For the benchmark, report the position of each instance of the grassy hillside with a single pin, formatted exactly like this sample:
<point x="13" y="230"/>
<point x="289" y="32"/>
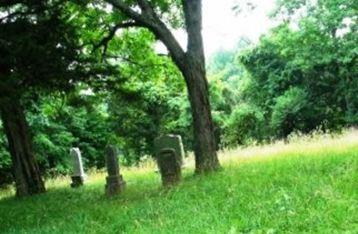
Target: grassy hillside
<point x="307" y="186"/>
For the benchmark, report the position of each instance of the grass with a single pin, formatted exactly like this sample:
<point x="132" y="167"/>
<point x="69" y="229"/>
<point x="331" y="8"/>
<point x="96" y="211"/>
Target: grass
<point x="310" y="186"/>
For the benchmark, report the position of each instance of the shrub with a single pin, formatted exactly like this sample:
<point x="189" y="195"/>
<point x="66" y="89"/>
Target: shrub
<point x="288" y="112"/>
<point x="243" y="125"/>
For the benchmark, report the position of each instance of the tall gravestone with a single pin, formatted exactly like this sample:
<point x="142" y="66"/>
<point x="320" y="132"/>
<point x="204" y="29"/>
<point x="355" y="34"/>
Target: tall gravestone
<point x="114" y="181"/>
<point x="78" y="175"/>
<point x="169" y="152"/>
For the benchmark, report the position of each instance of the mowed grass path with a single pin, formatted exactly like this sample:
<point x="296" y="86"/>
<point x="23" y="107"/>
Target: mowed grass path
<point x="310" y="186"/>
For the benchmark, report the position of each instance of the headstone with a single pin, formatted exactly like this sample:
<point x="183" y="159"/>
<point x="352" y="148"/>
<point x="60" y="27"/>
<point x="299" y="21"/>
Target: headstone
<point x="78" y="174"/>
<point x="170" y="141"/>
<point x="115" y="183"/>
<point x="169" y="152"/>
<point x="169" y="167"/>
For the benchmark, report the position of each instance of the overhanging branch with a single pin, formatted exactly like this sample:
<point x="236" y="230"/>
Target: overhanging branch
<point x="127" y="10"/>
<point x="149" y="19"/>
<point x="112" y="32"/>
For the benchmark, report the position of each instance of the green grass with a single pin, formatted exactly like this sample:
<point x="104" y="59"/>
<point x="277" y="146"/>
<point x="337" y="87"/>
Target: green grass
<point x="308" y="186"/>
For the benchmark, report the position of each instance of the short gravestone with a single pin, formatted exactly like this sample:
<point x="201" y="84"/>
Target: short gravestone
<point x="169" y="167"/>
<point x="115" y="182"/>
<point x="169" y="152"/>
<point x="78" y="174"/>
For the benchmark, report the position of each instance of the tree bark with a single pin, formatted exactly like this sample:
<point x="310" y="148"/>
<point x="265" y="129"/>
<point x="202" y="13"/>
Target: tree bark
<point x="28" y="180"/>
<point x="198" y="89"/>
<point x="205" y="150"/>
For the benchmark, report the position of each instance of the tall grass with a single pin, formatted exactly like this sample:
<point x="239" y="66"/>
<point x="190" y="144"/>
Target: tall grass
<point x="307" y="186"/>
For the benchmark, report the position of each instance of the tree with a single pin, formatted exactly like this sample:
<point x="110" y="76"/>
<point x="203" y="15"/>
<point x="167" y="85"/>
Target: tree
<point x="305" y="68"/>
<point x="191" y="63"/>
<point x="328" y="26"/>
<point x="15" y="64"/>
<point x="39" y="51"/>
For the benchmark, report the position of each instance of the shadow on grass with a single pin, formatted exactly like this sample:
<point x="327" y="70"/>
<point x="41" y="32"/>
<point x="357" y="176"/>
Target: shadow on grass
<point x="64" y="204"/>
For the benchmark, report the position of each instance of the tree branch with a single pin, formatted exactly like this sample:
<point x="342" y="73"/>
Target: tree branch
<point x="119" y="4"/>
<point x="146" y="8"/>
<point x="151" y="21"/>
<point x="112" y="32"/>
<point x="133" y="62"/>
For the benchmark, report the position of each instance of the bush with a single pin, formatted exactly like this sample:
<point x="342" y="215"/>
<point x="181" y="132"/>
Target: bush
<point x="288" y="112"/>
<point x="244" y="125"/>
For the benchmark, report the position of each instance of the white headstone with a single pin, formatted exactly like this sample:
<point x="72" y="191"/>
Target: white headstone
<point x="77" y="163"/>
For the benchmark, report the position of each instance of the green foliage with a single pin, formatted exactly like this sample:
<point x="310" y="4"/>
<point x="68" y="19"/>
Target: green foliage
<point x="223" y="63"/>
<point x="304" y="188"/>
<point x="314" y="53"/>
<point x="151" y="103"/>
<point x="59" y="123"/>
<point x="288" y="112"/>
<point x="244" y="125"/>
<point x="5" y="160"/>
<point x="33" y="33"/>
<point x="226" y="79"/>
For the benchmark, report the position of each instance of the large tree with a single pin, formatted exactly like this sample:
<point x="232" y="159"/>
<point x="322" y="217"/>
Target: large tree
<point x="153" y="15"/>
<point x="39" y="52"/>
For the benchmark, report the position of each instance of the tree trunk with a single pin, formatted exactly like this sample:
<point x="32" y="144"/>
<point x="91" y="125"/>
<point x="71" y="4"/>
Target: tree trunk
<point x="205" y="148"/>
<point x="27" y="176"/>
<point x="194" y="73"/>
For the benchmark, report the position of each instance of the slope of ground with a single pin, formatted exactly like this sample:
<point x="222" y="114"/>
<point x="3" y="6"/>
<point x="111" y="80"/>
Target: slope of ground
<point x="307" y="186"/>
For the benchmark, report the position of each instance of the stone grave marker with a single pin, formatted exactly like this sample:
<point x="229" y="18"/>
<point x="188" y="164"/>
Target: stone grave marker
<point x="169" y="152"/>
<point x="170" y="141"/>
<point x="115" y="183"/>
<point x="169" y="167"/>
<point x="78" y="175"/>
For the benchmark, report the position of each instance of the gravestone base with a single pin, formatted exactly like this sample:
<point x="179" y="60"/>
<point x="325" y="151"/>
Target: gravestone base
<point x="170" y="180"/>
<point x="77" y="181"/>
<point x="169" y="167"/>
<point x="114" y="185"/>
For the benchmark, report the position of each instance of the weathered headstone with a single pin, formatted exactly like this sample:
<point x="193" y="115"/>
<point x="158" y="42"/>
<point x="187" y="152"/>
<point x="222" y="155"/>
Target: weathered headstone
<point x="170" y="141"/>
<point x="169" y="167"/>
<point x="169" y="153"/>
<point x="115" y="182"/>
<point x="78" y="175"/>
